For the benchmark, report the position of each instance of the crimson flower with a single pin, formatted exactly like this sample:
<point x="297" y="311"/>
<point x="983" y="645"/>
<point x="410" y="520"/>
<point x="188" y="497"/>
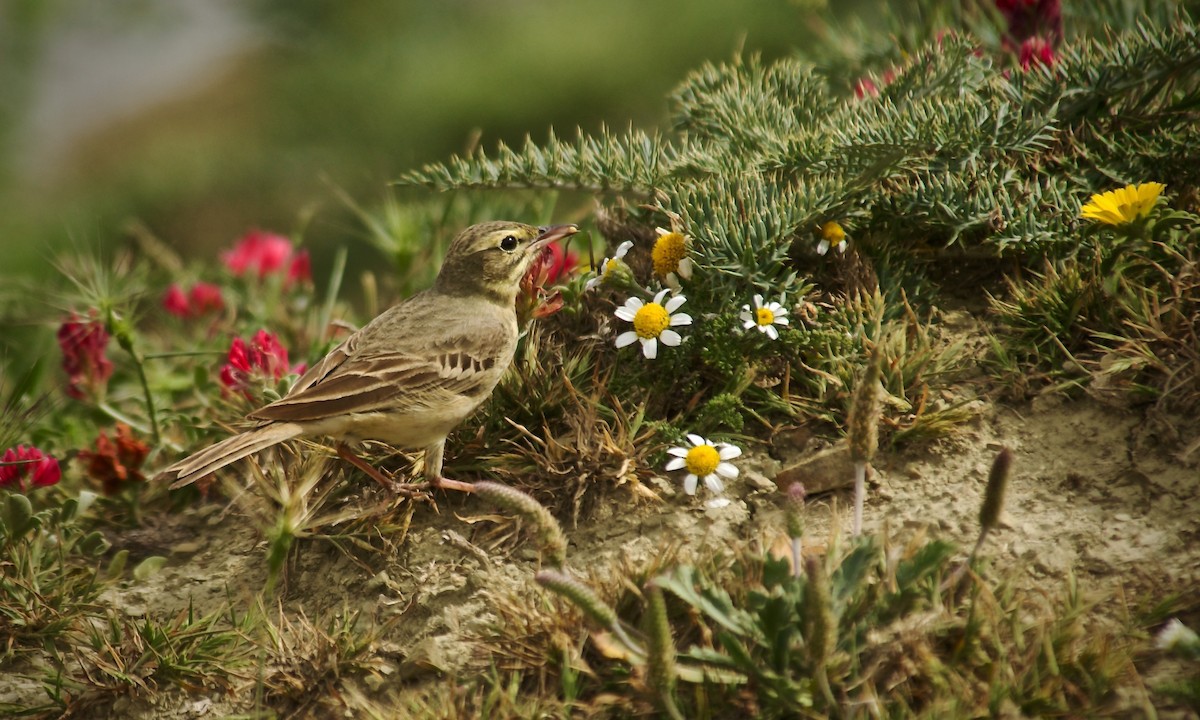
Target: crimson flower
<point x="554" y="264"/>
<point x="202" y="299"/>
<point x="265" y="254"/>
<point x="22" y="462"/>
<point x="263" y="357"/>
<point x="1027" y="18"/>
<point x="83" y="343"/>
<point x="176" y="302"/>
<point x="1036" y="51"/>
<point x="117" y="461"/>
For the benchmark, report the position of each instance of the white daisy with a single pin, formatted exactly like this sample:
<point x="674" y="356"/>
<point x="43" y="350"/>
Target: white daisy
<point x="669" y="257"/>
<point x="764" y="317"/>
<point x="609" y="265"/>
<point x="831" y="232"/>
<point x="652" y="322"/>
<point x="704" y="460"/>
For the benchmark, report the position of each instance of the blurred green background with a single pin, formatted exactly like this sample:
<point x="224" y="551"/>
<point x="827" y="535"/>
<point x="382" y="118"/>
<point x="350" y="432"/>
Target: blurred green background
<point x="201" y="120"/>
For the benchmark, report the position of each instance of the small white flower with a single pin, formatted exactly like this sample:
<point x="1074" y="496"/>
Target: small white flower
<point x="764" y="317"/>
<point x="704" y="460"/>
<point x="669" y="258"/>
<point x="1179" y="638"/>
<point x="831" y="232"/>
<point x="608" y="265"/>
<point x="652" y="322"/>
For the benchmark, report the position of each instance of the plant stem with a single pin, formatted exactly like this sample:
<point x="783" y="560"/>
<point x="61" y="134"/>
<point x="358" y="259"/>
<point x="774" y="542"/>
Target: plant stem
<point x="141" y="371"/>
<point x="860" y="492"/>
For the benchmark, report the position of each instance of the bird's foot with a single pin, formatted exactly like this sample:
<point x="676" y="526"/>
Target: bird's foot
<point x="448" y="484"/>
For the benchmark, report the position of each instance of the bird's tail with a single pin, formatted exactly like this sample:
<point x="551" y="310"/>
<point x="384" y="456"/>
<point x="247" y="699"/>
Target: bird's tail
<point x="211" y="459"/>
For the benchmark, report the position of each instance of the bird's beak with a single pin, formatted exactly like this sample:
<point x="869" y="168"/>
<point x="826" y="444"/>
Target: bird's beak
<point x="552" y="233"/>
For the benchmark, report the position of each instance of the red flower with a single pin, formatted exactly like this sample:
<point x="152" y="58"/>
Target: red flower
<point x="21" y="462"/>
<point x="1027" y="18"/>
<point x="264" y="357"/>
<point x="202" y="299"/>
<point x="205" y="298"/>
<point x="864" y="87"/>
<point x="1036" y="51"/>
<point x="175" y="302"/>
<point x="113" y="464"/>
<point x="83" y="343"/>
<point x="265" y="254"/>
<point x="300" y="268"/>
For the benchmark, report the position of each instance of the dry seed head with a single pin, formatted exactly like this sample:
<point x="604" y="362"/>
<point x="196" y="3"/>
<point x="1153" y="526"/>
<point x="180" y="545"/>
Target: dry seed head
<point x="865" y="408"/>
<point x="517" y="502"/>
<point x="993" y="496"/>
<point x="818" y="607"/>
<point x="581" y="595"/>
<point x="660" y="646"/>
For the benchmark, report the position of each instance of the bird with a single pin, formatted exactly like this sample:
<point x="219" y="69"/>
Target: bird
<point x="412" y="374"/>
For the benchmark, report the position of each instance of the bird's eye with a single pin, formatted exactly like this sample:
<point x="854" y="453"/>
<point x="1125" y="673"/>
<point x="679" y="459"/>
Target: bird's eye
<point x="508" y="244"/>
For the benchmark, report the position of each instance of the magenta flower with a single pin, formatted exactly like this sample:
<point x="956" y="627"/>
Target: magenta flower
<point x="205" y="298"/>
<point x="22" y="462"/>
<point x="299" y="269"/>
<point x="264" y="357"/>
<point x="1027" y="18"/>
<point x="264" y="254"/>
<point x="1036" y="51"/>
<point x="83" y="343"/>
<point x="176" y="302"/>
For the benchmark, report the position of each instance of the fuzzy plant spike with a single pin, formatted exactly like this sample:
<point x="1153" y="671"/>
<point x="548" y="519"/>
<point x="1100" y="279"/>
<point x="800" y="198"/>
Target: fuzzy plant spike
<point x="661" y="672"/>
<point x="794" y="512"/>
<point x="584" y="598"/>
<point x="989" y="512"/>
<point x="863" y="427"/>
<point x="549" y="531"/>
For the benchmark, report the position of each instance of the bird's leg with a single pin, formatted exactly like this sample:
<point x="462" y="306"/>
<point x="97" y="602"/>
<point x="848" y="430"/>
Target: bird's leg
<point x="345" y="453"/>
<point x="433" y="469"/>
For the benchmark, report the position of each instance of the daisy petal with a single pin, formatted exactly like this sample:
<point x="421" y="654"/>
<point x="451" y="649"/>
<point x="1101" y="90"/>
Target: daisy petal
<point x="625" y="313"/>
<point x="689" y="484"/>
<point x="822" y="247"/>
<point x="676" y="463"/>
<point x="728" y="470"/>
<point x="659" y="297"/>
<point x="714" y="483"/>
<point x="758" y="301"/>
<point x="747" y="323"/>
<point x="674" y="303"/>
<point x="782" y="320"/>
<point x="696" y="440"/>
<point x="771" y="332"/>
<point x="650" y="348"/>
<point x="626" y="338"/>
<point x="685" y="268"/>
<point x="678" y="451"/>
<point x="622" y="249"/>
<point x="681" y="319"/>
<point x="670" y="338"/>
<point x="728" y="452"/>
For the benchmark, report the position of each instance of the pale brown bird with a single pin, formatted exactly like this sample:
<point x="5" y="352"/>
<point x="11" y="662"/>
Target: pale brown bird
<point x="412" y="374"/>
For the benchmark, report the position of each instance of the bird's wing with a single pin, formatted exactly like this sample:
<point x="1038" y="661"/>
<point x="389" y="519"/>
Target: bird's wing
<point x="373" y="382"/>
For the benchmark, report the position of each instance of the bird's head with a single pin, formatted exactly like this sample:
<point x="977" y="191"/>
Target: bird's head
<point x="489" y="259"/>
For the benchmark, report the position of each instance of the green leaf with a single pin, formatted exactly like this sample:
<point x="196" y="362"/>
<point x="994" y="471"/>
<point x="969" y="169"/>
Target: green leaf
<point x="148" y="567"/>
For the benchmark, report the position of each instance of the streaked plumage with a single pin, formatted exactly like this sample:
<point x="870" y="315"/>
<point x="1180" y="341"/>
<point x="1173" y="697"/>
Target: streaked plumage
<point x="415" y="372"/>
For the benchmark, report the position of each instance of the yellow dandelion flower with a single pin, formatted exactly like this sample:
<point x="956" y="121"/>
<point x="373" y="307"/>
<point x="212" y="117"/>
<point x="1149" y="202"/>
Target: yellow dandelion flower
<point x="1124" y="205"/>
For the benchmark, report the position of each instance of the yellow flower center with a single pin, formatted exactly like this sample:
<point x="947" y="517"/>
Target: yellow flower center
<point x="668" y="250"/>
<point x="764" y="316"/>
<point x="833" y="232"/>
<point x="702" y="460"/>
<point x="650" y="320"/>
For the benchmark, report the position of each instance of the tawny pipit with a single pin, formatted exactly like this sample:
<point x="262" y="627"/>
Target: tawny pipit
<point x="412" y="374"/>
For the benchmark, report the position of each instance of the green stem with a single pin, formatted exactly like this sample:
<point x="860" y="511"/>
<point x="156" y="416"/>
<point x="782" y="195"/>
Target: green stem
<point x="139" y="363"/>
